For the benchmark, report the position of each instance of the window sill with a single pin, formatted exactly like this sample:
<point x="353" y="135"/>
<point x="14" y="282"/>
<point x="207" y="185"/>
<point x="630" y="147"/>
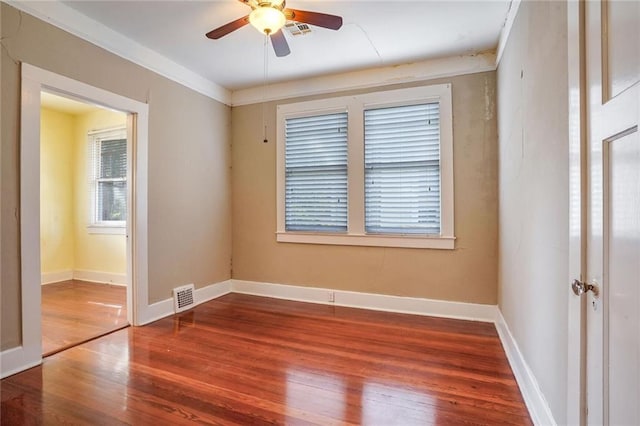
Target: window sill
<point x="434" y="242"/>
<point x="107" y="229"/>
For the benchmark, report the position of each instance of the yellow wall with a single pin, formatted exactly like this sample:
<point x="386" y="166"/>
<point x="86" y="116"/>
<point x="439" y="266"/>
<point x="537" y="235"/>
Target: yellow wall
<point x="66" y="242"/>
<point x="94" y="252"/>
<point x="56" y="191"/>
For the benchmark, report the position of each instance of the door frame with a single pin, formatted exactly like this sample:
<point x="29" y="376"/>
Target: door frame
<point x="34" y="80"/>
<point x="577" y="96"/>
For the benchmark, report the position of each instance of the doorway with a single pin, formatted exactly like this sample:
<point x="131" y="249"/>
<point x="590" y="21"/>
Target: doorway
<point x="33" y="81"/>
<point x="83" y="215"/>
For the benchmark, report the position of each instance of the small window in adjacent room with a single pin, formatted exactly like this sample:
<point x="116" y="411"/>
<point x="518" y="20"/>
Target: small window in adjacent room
<point x="108" y="180"/>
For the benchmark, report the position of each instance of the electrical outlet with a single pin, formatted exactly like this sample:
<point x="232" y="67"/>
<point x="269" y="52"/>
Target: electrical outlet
<point x="332" y="297"/>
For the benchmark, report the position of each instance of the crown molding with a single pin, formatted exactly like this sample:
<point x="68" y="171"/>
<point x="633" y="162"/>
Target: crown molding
<point x="72" y="21"/>
<point x="506" y="29"/>
<point x="375" y="77"/>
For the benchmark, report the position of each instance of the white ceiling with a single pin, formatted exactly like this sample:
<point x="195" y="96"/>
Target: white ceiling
<point x="374" y="34"/>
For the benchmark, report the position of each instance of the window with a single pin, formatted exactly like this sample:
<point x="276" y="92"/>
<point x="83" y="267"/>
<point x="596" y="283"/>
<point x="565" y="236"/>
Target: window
<point x="316" y="173"/>
<point x="373" y="170"/>
<point x="108" y="178"/>
<point x="402" y="169"/>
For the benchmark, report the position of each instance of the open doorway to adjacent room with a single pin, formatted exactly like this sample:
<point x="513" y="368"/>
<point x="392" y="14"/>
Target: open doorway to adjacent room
<point x="83" y="221"/>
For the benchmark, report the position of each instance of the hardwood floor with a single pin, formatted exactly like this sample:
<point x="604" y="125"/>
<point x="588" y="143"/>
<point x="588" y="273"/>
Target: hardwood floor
<point x="245" y="360"/>
<point x="75" y="311"/>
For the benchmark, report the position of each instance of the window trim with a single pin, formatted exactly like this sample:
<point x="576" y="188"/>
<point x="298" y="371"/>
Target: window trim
<point x="107" y="229"/>
<point x="95" y="136"/>
<point x="355" y="106"/>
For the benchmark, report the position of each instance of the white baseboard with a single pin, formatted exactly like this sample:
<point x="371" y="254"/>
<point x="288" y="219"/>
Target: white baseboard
<point x="56" y="277"/>
<point x="531" y="393"/>
<point x="100" y="277"/>
<point x="154" y="312"/>
<point x="212" y="291"/>
<point x="164" y="308"/>
<point x="282" y="291"/>
<point x="18" y="359"/>
<point x="378" y="302"/>
<point x="90" y="276"/>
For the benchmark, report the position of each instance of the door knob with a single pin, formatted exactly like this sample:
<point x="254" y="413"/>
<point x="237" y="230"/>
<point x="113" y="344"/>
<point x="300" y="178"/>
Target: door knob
<point x="579" y="288"/>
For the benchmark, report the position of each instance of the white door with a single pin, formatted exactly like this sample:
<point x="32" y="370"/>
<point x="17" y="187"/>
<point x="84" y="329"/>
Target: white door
<point x="612" y="47"/>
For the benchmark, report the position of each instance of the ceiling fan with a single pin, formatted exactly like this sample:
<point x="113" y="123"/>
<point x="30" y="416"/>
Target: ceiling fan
<point x="269" y="16"/>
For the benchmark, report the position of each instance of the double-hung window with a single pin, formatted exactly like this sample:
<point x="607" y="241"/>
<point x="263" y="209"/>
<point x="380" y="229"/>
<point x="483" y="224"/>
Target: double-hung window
<point x="373" y="169"/>
<point x="108" y="179"/>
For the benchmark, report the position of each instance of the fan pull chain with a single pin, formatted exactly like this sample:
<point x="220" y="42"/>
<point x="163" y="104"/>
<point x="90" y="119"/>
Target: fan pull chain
<point x="264" y="86"/>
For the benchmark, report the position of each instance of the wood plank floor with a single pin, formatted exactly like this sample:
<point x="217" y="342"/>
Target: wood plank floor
<point x="245" y="360"/>
<point x="75" y="311"/>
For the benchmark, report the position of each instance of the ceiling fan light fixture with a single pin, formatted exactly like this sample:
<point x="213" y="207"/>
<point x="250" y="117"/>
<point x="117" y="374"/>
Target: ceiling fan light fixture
<point x="267" y="19"/>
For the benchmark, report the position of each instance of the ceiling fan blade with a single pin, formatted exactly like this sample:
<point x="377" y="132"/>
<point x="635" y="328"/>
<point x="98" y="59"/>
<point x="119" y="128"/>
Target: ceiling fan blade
<point x="280" y="44"/>
<point x="228" y="28"/>
<point x="324" y="20"/>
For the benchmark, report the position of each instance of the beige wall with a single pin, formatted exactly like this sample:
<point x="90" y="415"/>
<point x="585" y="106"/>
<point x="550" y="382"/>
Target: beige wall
<point x="94" y="252"/>
<point x="189" y="223"/>
<point x="534" y="193"/>
<point x="468" y="273"/>
<point x="56" y="191"/>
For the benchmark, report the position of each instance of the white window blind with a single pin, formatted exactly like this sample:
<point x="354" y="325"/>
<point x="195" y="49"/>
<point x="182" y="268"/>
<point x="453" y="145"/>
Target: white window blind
<point x="109" y="177"/>
<point x="316" y="173"/>
<point x="402" y="169"/>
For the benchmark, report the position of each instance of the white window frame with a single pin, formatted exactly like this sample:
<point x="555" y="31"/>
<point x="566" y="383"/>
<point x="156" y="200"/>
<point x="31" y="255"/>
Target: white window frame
<point x="94" y="137"/>
<point x="355" y="106"/>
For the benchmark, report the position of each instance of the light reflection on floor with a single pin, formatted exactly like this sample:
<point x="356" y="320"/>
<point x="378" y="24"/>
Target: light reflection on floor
<point x="394" y="404"/>
<point x="307" y="388"/>
<point x="382" y="403"/>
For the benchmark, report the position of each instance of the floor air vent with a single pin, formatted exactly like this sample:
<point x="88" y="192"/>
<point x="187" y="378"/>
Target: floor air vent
<point x="183" y="298"/>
